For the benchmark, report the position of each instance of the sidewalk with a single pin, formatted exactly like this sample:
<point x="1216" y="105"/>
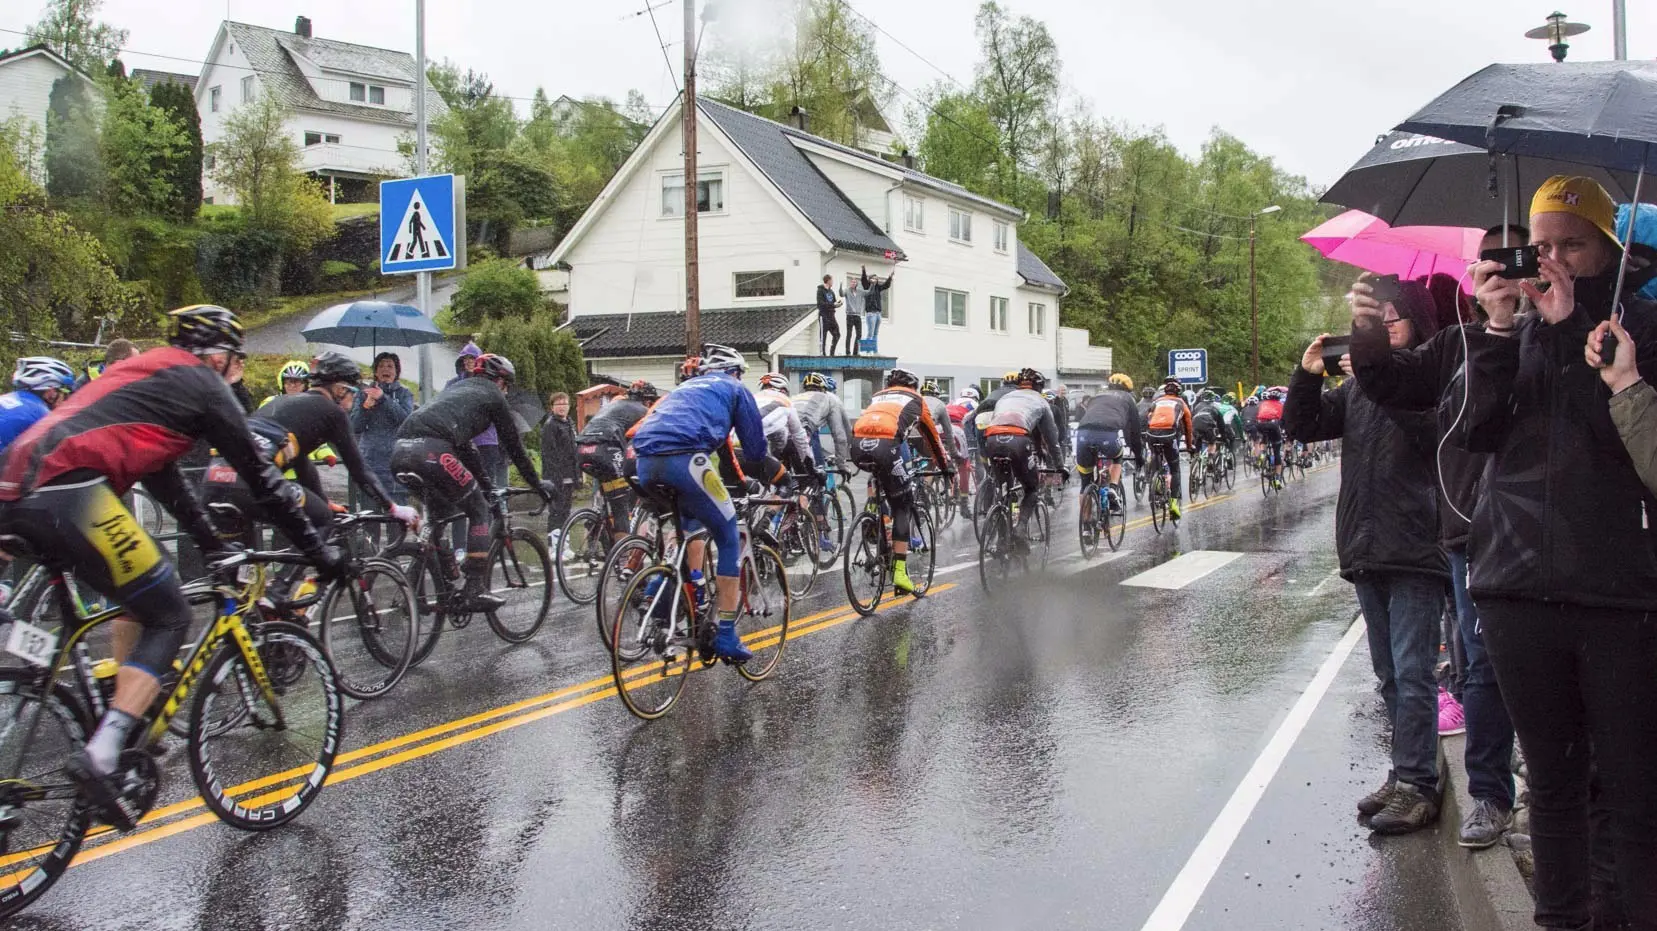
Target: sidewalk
<point x="1490" y="893"/>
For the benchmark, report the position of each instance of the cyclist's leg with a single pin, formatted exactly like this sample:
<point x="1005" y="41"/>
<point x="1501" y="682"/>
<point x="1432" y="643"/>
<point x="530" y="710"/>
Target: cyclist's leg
<point x="612" y="484"/>
<point x="703" y="498"/>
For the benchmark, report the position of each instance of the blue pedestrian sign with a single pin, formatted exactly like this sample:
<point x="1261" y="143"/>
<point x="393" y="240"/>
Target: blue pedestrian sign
<point x="1189" y="366"/>
<point x="417" y="224"/>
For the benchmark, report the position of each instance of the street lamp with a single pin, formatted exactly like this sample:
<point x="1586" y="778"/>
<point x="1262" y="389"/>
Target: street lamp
<point x="1254" y="297"/>
<point x="1555" y="32"/>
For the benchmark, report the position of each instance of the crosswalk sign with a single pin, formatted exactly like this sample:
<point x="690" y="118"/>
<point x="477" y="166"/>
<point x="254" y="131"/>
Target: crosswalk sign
<point x="417" y="224"/>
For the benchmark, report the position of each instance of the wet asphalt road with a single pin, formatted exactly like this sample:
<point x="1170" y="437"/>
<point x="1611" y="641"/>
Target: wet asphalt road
<point x="1044" y="757"/>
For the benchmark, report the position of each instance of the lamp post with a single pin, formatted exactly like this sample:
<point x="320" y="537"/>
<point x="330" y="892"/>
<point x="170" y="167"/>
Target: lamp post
<point x="1254" y="296"/>
<point x="1555" y="31"/>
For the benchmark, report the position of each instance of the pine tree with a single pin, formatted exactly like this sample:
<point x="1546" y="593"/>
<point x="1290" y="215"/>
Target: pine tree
<point x="184" y="169"/>
<point x="74" y="168"/>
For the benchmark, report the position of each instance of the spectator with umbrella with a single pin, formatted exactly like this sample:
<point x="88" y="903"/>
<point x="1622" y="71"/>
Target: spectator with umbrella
<point x="379" y="410"/>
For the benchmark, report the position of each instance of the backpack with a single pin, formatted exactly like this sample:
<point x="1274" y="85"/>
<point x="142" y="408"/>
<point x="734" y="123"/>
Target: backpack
<point x="1270" y="410"/>
<point x="1165" y="414"/>
<point x="958" y="413"/>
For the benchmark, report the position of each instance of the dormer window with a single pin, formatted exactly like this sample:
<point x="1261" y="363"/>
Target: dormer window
<point x="367" y="93"/>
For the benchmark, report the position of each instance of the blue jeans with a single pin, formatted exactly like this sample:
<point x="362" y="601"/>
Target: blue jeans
<point x="871" y="326"/>
<point x="1401" y="613"/>
<point x="1489" y="732"/>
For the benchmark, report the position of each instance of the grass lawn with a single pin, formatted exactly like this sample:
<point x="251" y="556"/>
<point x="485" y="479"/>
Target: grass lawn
<point x="341" y="211"/>
<point x="289" y="305"/>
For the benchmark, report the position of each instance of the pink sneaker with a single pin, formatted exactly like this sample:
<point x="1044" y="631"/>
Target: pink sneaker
<point x="1451" y="719"/>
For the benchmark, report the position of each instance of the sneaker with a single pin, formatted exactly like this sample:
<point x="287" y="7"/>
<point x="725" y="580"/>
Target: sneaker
<point x="728" y="646"/>
<point x="1410" y="809"/>
<point x="900" y="579"/>
<point x="825" y="543"/>
<point x="103" y="790"/>
<point x="1485" y="825"/>
<point x="477" y="599"/>
<point x="1451" y="719"/>
<point x="1370" y="805"/>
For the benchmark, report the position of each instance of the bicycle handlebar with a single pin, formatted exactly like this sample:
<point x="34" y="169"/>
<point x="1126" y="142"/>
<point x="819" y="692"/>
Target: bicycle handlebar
<point x="501" y="494"/>
<point x="245" y="557"/>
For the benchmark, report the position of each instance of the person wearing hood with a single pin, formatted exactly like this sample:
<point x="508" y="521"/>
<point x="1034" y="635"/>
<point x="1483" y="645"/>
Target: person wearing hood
<point x="1562" y="553"/>
<point x="380" y="408"/>
<point x="1386" y="537"/>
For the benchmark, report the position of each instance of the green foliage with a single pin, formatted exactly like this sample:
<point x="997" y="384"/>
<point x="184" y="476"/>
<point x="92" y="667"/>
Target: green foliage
<point x="68" y="27"/>
<point x="547" y="359"/>
<point x="141" y="147"/>
<point x="74" y="160"/>
<point x="1017" y="79"/>
<point x="960" y="142"/>
<point x="182" y="170"/>
<point x="240" y="266"/>
<point x="496" y="289"/>
<point x="336" y="267"/>
<point x="257" y="159"/>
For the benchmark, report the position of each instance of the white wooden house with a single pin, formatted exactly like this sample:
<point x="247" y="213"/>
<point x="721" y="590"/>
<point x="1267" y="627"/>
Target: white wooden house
<point x="26" y="79"/>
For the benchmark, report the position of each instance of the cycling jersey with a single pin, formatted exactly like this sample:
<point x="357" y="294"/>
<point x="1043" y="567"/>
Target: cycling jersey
<point x="610" y="425"/>
<point x="315" y="422"/>
<point x="19" y="411"/>
<point x="698" y="417"/>
<point x="785" y="434"/>
<point x="1270" y="410"/>
<point x="1170" y="417"/>
<point x="893" y="413"/>
<point x="1026" y="413"/>
<point x="321" y="453"/>
<point x="819" y="409"/>
<point x="983" y="415"/>
<point x="461" y="412"/>
<point x="1110" y="413"/>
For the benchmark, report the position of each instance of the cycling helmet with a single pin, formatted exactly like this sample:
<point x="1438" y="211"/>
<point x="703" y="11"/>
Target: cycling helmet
<point x="1049" y="395"/>
<point x="833" y="384"/>
<point x="690" y="368"/>
<point x="292" y="371"/>
<point x="1032" y="379"/>
<point x="1170" y="386"/>
<point x="42" y="373"/>
<point x="1122" y="380"/>
<point x="774" y="381"/>
<point x="643" y="391"/>
<point x="333" y="368"/>
<point x="1277" y="394"/>
<point x="1011" y="378"/>
<point x="1229" y="398"/>
<point x="490" y="365"/>
<point x="717" y="358"/>
<point x="1250" y="401"/>
<point x="930" y="387"/>
<point x="815" y="381"/>
<point x="205" y="328"/>
<point x="972" y="392"/>
<point x="902" y="378"/>
<point x="1207" y="394"/>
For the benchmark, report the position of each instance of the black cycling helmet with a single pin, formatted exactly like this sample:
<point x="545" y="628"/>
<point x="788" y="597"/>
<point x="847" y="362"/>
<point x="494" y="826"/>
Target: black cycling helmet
<point x="1032" y="379"/>
<point x="1171" y="386"/>
<point x="641" y="390"/>
<point x="335" y="368"/>
<point x="490" y="365"/>
<point x="204" y="328"/>
<point x="902" y="378"/>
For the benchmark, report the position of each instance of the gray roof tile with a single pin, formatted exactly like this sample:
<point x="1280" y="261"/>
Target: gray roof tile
<point x="1033" y="270"/>
<point x="150" y="78"/>
<point x="270" y="52"/>
<point x="658" y="333"/>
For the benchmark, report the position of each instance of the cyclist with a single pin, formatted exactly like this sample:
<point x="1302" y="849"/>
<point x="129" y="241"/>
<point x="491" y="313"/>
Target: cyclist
<point x="1168" y="422"/>
<point x="881" y="431"/>
<point x="59" y="491"/>
<point x="984" y="414"/>
<point x="42" y="383"/>
<point x="294" y="378"/>
<point x="1109" y="428"/>
<point x="960" y="420"/>
<point x="289" y="429"/>
<point x="1232" y="419"/>
<point x="678" y="444"/>
<point x="819" y="407"/>
<point x="435" y="443"/>
<point x="1269" y="422"/>
<point x="785" y="433"/>
<point x="936" y="406"/>
<point x="602" y="448"/>
<point x="1208" y="421"/>
<point x="1023" y="429"/>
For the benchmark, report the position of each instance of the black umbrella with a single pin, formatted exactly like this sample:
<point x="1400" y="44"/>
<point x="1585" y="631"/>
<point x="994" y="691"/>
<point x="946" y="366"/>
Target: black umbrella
<point x="1413" y="180"/>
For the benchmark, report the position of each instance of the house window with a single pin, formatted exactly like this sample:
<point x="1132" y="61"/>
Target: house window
<point x="359" y="92"/>
<point x="998" y="314"/>
<point x="1000" y="236"/>
<point x="247" y="89"/>
<point x="960" y="225"/>
<point x="1038" y="319"/>
<point x="759" y="284"/>
<point x="914" y="214"/>
<point x="946" y="387"/>
<point x="319" y="138"/>
<point x="710" y="193"/>
<point x="949" y="308"/>
<point x="376" y="95"/>
<point x="213" y="100"/>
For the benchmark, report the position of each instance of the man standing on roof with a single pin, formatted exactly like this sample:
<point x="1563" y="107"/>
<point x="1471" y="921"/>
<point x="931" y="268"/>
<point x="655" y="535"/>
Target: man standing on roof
<point x="875" y="289"/>
<point x="828" y="328"/>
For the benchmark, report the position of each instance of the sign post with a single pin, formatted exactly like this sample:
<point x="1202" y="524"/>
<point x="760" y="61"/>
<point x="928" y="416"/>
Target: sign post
<point x="1188" y="366"/>
<point x="420" y="234"/>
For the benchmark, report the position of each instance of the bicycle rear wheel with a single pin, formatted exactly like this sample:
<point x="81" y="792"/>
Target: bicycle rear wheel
<point x="943" y="501"/>
<point x="1087" y="522"/>
<point x="800" y="553"/>
<point x="264" y="770"/>
<point x="832" y="523"/>
<point x="922" y="561"/>
<point x="1159" y="505"/>
<point x="763" y="612"/>
<point x="865" y="563"/>
<point x="582" y="547"/>
<point x="370" y="627"/>
<point x="651" y="649"/>
<point x="44" y="817"/>
<point x="995" y="548"/>
<point x="1116" y="521"/>
<point x="626" y="559"/>
<point x="521" y="572"/>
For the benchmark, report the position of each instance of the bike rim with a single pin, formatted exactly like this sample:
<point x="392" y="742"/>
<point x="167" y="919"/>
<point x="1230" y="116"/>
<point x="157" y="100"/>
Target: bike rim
<point x="521" y="573"/>
<point x="763" y="613"/>
<point x="864" y="567"/>
<point x="581" y="556"/>
<point x="370" y="624"/>
<point x="651" y="656"/>
<point x="37" y="733"/>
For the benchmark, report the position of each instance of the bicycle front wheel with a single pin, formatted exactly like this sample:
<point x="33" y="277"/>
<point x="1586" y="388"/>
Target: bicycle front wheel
<point x="582" y="547"/>
<point x="625" y="560"/>
<point x="44" y="821"/>
<point x="865" y="563"/>
<point x="651" y="649"/>
<point x="995" y="548"/>
<point x="1087" y="523"/>
<point x="520" y="571"/>
<point x="370" y="628"/>
<point x="265" y="768"/>
<point x="832" y="524"/>
<point x="763" y="613"/>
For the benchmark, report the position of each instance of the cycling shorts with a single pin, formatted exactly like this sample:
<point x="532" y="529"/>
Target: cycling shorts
<point x="1271" y="431"/>
<point x="695" y="481"/>
<point x="445" y="476"/>
<point x="1095" y="445"/>
<point x="886" y="460"/>
<point x="222" y="485"/>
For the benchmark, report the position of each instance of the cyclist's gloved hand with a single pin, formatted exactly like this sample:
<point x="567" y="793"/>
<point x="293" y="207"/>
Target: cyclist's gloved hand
<point x="329" y="561"/>
<point x="408" y="516"/>
<point x="222" y="551"/>
<point x="548" y="489"/>
<point x="752" y="487"/>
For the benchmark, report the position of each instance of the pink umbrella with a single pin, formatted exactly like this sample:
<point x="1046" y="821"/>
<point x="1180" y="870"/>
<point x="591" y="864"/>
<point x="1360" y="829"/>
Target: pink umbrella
<point x="1356" y="238"/>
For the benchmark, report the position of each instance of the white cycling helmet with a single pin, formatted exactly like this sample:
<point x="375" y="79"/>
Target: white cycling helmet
<point x="774" y="381"/>
<point x="717" y="358"/>
<point x="42" y="373"/>
<point x="972" y="393"/>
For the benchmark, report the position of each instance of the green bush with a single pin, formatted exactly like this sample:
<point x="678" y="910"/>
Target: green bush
<point x="496" y="288"/>
<point x="334" y="267"/>
<point x="547" y="359"/>
<point x="241" y="267"/>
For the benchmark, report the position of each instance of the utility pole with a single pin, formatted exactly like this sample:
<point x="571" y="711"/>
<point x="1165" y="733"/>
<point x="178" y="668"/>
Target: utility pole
<point x="422" y="280"/>
<point x="693" y="288"/>
<point x="1619" y="29"/>
<point x="1254" y="303"/>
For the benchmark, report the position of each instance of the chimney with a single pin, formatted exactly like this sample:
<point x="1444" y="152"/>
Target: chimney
<point x="801" y="119"/>
<point x="302" y="26"/>
<point x="908" y="160"/>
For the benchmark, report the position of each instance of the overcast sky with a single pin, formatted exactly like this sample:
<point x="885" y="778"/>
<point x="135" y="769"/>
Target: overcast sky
<point x="1308" y="82"/>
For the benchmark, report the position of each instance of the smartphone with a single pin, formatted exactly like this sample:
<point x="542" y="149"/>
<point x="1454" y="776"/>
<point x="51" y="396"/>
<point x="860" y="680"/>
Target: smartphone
<point x="1384" y="288"/>
<point x="1521" y="261"/>
<point x="1333" y="348"/>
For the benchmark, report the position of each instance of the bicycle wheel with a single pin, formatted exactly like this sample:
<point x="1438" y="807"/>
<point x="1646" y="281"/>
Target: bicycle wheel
<point x="833" y="525"/>
<point x="865" y="563"/>
<point x="1159" y="504"/>
<point x="266" y="770"/>
<point x="943" y="502"/>
<point x="651" y="654"/>
<point x="520" y="571"/>
<point x="431" y="590"/>
<point x="923" y="559"/>
<point x="1087" y="522"/>
<point x="580" y="556"/>
<point x="44" y="821"/>
<point x="1116" y="520"/>
<point x="625" y="560"/>
<point x="800" y="553"/>
<point x="981" y="505"/>
<point x="1041" y="534"/>
<point x="763" y="612"/>
<point x="370" y="626"/>
<point x="995" y="548"/>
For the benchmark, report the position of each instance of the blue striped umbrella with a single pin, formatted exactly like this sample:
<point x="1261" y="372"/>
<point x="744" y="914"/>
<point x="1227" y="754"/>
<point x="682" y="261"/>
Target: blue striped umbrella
<point x="372" y="323"/>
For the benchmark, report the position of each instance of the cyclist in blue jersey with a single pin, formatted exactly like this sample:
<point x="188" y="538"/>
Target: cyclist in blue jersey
<point x="41" y="382"/>
<point x="677" y="444"/>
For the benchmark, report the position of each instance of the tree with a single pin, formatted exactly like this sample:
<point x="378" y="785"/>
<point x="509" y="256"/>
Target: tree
<point x="959" y="142"/>
<point x="1017" y="79"/>
<point x="68" y="27"/>
<point x="183" y="168"/>
<point x="497" y="288"/>
<point x="141" y="146"/>
<point x="477" y="122"/>
<point x="74" y="160"/>
<point x="257" y="160"/>
<point x="547" y="359"/>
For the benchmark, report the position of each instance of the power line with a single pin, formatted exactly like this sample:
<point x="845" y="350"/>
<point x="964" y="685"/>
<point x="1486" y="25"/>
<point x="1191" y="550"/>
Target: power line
<point x="663" y="46"/>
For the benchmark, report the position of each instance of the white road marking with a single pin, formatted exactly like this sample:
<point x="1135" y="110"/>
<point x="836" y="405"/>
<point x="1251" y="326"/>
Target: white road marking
<point x="1188" y="887"/>
<point x="1182" y="570"/>
<point x="1318" y="588"/>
